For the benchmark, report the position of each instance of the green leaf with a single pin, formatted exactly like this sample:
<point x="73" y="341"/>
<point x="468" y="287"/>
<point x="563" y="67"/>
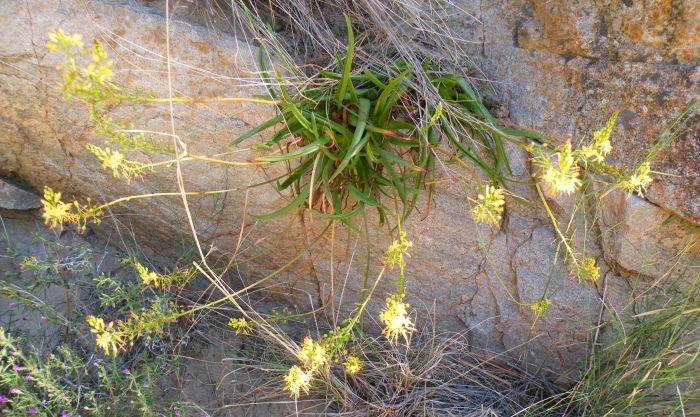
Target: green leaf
<point x="347" y="66"/>
<point x="297" y="153"/>
<point x="254" y="131"/>
<point x="297" y="173"/>
<point x="357" y="139"/>
<point x="479" y="107"/>
<point x="341" y="215"/>
<point x="383" y="105"/>
<point x="362" y="196"/>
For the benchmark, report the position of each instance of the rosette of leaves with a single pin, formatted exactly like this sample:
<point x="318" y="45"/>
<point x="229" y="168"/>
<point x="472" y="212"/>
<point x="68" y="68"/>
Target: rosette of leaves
<point x="367" y="133"/>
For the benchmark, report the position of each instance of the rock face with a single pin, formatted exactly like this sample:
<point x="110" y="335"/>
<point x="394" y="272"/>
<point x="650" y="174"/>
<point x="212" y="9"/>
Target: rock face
<point x="15" y="198"/>
<point x="560" y="67"/>
<point x="564" y="67"/>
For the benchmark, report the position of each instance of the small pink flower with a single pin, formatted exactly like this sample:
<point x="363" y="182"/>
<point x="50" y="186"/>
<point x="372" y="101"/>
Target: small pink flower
<point x="31" y="410"/>
<point x="27" y="377"/>
<point x="14" y="390"/>
<point x="177" y="412"/>
<point x="64" y="413"/>
<point x="125" y="371"/>
<point x="4" y="399"/>
<point x="16" y="367"/>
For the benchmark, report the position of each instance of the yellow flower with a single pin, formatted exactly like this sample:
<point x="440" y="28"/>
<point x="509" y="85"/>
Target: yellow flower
<point x="296" y="381"/>
<point x="312" y="354"/>
<point x="56" y="212"/>
<point x="107" y="337"/>
<point x="241" y="325"/>
<point x="601" y="146"/>
<point x="587" y="271"/>
<point x="396" y="252"/>
<point x="489" y="207"/>
<point x="353" y="365"/>
<point x="59" y="40"/>
<point x="148" y="277"/>
<point x="115" y="161"/>
<point x="562" y="178"/>
<point x="395" y="319"/>
<point x="540" y="307"/>
<point x="637" y="182"/>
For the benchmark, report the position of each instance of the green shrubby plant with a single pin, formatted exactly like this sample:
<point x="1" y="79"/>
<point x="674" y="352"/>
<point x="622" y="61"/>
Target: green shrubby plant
<point x="38" y="377"/>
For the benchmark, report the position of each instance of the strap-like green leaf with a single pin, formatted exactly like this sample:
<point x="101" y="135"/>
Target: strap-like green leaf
<point x="254" y="131"/>
<point x="357" y="139"/>
<point x="347" y="65"/>
<point x="297" y="153"/>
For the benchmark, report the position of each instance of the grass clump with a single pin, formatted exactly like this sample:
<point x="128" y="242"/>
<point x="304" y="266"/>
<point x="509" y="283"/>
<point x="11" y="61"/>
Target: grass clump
<point x="357" y="136"/>
<point x="652" y="367"/>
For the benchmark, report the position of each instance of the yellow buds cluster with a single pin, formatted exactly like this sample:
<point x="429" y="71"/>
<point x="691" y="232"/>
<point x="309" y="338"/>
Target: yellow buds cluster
<point x="587" y="270"/>
<point x="489" y="206"/>
<point x="396" y="252"/>
<point x="540" y="307"/>
<point x="107" y="335"/>
<point x="297" y="380"/>
<point x="241" y="326"/>
<point x="116" y="161"/>
<point x="562" y="177"/>
<point x="638" y="181"/>
<point x="395" y="318"/>
<point x="353" y="365"/>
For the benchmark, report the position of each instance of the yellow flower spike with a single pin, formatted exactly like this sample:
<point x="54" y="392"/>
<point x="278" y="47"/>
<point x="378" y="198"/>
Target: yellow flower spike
<point x="489" y="206"/>
<point x="395" y="319"/>
<point x="116" y="161"/>
<point x="56" y="212"/>
<point x="637" y="182"/>
<point x="312" y="354"/>
<point x="600" y="147"/>
<point x="107" y="337"/>
<point x="353" y="365"/>
<point x="59" y="40"/>
<point x="148" y="277"/>
<point x="241" y="325"/>
<point x="395" y="253"/>
<point x="540" y="307"/>
<point x="296" y="381"/>
<point x="562" y="178"/>
<point x="587" y="270"/>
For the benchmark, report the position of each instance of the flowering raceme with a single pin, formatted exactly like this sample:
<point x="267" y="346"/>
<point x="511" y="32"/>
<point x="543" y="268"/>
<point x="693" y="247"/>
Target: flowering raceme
<point x="562" y="177"/>
<point x="600" y="147"/>
<point x="587" y="270"/>
<point x="241" y="326"/>
<point x="353" y="365"/>
<point x="489" y="206"/>
<point x="638" y="181"/>
<point x="297" y="380"/>
<point x="540" y="307"/>
<point x="312" y="354"/>
<point x="107" y="337"/>
<point x="395" y="319"/>
<point x="56" y="212"/>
